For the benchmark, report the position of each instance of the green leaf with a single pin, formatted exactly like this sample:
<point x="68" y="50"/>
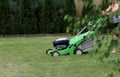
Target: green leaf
<point x="67" y="30"/>
<point x="70" y="19"/>
<point x="66" y="17"/>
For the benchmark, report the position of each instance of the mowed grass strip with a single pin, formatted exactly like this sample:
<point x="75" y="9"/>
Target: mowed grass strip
<point x="25" y="57"/>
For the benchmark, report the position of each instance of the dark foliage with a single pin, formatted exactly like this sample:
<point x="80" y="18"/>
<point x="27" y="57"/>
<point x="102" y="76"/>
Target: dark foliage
<point x="69" y="9"/>
<point x="6" y="26"/>
<point x="26" y="19"/>
<point x="49" y="17"/>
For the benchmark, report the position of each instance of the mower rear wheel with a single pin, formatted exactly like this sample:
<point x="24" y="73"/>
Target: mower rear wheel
<point x="78" y="52"/>
<point x="55" y="54"/>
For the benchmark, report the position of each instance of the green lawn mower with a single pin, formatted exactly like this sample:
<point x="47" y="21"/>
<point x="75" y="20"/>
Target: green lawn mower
<point x="81" y="43"/>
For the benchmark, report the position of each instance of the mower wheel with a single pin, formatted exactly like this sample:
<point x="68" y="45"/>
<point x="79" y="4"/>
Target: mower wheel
<point x="78" y="52"/>
<point x="48" y="50"/>
<point x="55" y="54"/>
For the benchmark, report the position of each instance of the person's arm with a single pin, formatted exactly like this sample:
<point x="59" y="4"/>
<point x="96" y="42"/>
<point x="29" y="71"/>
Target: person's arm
<point x="108" y="9"/>
<point x="106" y="12"/>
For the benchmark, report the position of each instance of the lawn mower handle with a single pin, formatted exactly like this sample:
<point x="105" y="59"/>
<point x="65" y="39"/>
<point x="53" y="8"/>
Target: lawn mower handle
<point x="99" y="21"/>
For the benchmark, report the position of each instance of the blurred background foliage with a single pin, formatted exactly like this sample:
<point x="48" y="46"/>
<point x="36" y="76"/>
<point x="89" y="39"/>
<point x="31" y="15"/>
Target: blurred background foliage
<point x="50" y="17"/>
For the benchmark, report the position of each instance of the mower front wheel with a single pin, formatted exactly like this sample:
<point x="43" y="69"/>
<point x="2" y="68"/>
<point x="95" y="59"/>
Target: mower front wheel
<point x="55" y="54"/>
<point x="48" y="50"/>
<point x="78" y="52"/>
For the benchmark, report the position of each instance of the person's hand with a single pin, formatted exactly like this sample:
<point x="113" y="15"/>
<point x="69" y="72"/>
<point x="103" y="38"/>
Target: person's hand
<point x="102" y="13"/>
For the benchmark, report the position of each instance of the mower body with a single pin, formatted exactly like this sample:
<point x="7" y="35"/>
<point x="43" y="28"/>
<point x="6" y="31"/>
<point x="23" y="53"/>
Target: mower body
<point x="82" y="42"/>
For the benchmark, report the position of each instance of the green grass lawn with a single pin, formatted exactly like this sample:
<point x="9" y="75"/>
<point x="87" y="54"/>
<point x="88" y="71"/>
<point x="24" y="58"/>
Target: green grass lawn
<point x="25" y="57"/>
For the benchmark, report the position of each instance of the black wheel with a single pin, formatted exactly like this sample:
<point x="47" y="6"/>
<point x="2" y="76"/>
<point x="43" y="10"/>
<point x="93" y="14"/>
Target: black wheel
<point x="55" y="54"/>
<point x="78" y="52"/>
<point x="47" y="50"/>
